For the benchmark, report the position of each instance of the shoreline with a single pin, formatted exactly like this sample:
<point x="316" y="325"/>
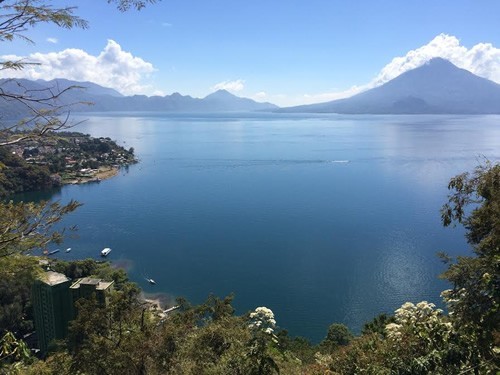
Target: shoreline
<point x="102" y="173"/>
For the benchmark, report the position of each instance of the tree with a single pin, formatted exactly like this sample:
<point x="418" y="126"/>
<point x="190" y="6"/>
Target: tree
<point x="377" y="325"/>
<point x="474" y="300"/>
<point x="27" y="226"/>
<point x="338" y="335"/>
<point x="17" y="274"/>
<point x="262" y="325"/>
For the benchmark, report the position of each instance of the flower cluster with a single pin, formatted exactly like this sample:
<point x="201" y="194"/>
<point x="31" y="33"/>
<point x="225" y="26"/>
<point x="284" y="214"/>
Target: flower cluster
<point x="416" y="319"/>
<point x="262" y="319"/>
<point x="421" y="312"/>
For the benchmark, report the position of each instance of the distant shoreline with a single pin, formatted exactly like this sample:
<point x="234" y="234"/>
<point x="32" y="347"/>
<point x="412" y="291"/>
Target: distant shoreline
<point x="102" y="173"/>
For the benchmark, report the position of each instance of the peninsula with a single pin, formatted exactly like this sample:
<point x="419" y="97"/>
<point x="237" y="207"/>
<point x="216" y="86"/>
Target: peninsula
<point x="62" y="158"/>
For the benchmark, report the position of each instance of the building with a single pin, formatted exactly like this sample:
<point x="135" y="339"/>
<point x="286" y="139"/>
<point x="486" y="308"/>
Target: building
<point x="52" y="305"/>
<point x="86" y="287"/>
<point x="54" y="296"/>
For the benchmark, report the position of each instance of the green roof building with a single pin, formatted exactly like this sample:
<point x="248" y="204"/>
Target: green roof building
<point x="54" y="296"/>
<point x="52" y="306"/>
<point x="86" y="287"/>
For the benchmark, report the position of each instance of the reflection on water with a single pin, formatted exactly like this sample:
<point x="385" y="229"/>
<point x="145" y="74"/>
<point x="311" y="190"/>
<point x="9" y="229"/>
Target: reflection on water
<point x="44" y="195"/>
<point x="323" y="219"/>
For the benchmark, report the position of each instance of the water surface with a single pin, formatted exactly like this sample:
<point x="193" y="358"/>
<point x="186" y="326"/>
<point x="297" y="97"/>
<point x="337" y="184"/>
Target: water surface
<point x="322" y="219"/>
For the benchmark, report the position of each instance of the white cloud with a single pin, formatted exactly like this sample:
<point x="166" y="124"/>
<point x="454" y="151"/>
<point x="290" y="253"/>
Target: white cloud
<point x="260" y="96"/>
<point x="113" y="67"/>
<point x="166" y="24"/>
<point x="232" y="86"/>
<point x="329" y="96"/>
<point x="158" y="93"/>
<point x="52" y="40"/>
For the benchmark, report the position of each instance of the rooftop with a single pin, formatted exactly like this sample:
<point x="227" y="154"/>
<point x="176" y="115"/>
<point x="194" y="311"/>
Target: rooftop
<point x="53" y="278"/>
<point x="97" y="283"/>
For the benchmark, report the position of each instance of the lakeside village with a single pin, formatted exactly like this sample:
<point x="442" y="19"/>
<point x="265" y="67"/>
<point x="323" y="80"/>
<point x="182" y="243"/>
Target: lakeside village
<point x="42" y="163"/>
<point x="61" y="158"/>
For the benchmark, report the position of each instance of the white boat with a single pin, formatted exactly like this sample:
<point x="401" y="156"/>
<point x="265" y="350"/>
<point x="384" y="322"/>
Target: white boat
<point x="68" y="249"/>
<point x="151" y="281"/>
<point x="105" y="251"/>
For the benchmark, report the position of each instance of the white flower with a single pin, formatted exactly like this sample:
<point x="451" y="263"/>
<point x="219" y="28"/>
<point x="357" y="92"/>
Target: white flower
<point x="262" y="318"/>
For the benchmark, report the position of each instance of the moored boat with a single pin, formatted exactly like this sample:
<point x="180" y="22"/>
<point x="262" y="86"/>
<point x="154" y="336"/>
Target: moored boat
<point x="105" y="251"/>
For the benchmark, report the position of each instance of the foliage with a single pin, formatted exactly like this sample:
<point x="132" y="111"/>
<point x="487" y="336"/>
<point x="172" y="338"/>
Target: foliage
<point x="124" y="5"/>
<point x="18" y="176"/>
<point x="214" y="309"/>
<point x="423" y="340"/>
<point x="28" y="226"/>
<point x="12" y="350"/>
<point x="58" y="363"/>
<point x="262" y="325"/>
<point x="92" y="268"/>
<point x="17" y="16"/>
<point x="474" y="300"/>
<point x="337" y="335"/>
<point x="110" y="339"/>
<point x="17" y="274"/>
<point x="299" y="347"/>
<point x="378" y="324"/>
<point x="420" y="341"/>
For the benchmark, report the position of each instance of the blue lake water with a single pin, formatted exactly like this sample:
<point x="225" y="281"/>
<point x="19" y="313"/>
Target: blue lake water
<point x="322" y="218"/>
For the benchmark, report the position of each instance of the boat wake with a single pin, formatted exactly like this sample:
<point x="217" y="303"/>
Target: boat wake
<point x="340" y="161"/>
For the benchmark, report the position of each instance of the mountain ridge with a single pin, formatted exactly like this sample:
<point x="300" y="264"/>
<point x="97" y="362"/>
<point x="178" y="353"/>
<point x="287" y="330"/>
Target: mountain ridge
<point x="436" y="87"/>
<point x="87" y="96"/>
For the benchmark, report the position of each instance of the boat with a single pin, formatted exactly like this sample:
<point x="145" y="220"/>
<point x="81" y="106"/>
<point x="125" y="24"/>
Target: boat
<point x="170" y="309"/>
<point x="53" y="252"/>
<point x="105" y="251"/>
<point x="68" y="249"/>
<point x="151" y="281"/>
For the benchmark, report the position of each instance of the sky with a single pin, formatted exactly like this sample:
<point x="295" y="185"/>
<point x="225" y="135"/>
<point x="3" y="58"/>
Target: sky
<point x="285" y="52"/>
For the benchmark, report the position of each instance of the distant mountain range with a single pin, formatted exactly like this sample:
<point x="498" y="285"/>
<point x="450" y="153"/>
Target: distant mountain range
<point x="87" y="96"/>
<point x="435" y="87"/>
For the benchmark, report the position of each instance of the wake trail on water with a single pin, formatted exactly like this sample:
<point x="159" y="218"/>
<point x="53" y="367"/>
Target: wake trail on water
<point x="231" y="163"/>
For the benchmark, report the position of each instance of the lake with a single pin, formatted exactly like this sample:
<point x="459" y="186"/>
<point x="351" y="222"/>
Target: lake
<point x="322" y="218"/>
